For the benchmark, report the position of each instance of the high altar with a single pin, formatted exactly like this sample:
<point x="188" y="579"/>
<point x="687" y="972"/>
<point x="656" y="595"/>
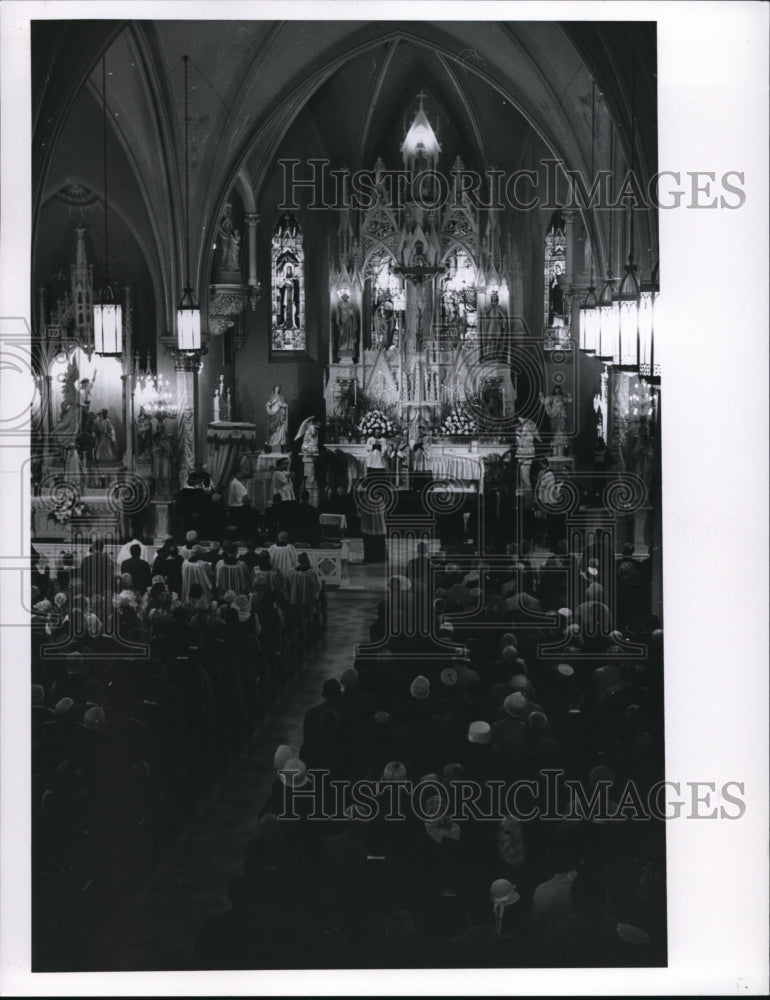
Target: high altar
<point x="420" y="313"/>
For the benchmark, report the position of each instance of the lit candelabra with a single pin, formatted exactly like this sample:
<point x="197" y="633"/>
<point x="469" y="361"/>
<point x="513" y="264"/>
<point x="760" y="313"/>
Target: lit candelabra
<point x="641" y="401"/>
<point x="154" y="396"/>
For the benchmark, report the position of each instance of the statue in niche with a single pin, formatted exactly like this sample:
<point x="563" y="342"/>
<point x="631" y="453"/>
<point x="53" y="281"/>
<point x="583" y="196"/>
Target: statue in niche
<point x="277" y="410"/>
<point x="232" y="261"/>
<point x="496" y="324"/>
<point x="106" y="440"/>
<point x="347" y="322"/>
<point x="224" y="238"/>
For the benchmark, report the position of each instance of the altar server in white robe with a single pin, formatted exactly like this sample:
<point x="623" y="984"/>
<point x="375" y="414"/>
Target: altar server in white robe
<point x="304" y="585"/>
<point x="231" y="573"/>
<point x="196" y="569"/>
<point x="283" y="555"/>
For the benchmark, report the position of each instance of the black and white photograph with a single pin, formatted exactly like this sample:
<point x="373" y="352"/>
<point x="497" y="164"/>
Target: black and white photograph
<point x="387" y="575"/>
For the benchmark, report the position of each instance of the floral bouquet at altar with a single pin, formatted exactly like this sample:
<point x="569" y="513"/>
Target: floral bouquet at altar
<point x="459" y="423"/>
<point x="376" y="424"/>
<point x="68" y="505"/>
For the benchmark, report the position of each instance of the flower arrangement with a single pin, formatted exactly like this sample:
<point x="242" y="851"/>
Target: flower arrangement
<point x="460" y="422"/>
<point x="68" y="506"/>
<point x="376" y="424"/>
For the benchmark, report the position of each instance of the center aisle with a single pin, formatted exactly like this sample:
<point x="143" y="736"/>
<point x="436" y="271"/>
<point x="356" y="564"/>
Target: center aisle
<point x="155" y="931"/>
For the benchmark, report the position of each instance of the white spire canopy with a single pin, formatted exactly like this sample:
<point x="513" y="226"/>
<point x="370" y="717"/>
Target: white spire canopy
<point x="420" y="139"/>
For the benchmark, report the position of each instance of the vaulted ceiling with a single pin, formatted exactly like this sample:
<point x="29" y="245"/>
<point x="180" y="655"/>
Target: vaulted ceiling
<point x="501" y="93"/>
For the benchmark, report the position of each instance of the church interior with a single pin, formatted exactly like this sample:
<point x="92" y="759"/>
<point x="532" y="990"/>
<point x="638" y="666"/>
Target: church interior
<point x="345" y="458"/>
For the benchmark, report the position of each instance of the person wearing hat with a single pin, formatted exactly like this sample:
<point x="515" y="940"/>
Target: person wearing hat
<point x="478" y="754"/>
<point x="510" y="722"/>
<point x="593" y="616"/>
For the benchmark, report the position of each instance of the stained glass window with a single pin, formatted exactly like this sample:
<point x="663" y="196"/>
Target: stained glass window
<point x="555" y="259"/>
<point x="288" y="286"/>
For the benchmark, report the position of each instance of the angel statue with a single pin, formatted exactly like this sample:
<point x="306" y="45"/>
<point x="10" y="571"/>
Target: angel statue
<point x="308" y="431"/>
<point x="68" y="424"/>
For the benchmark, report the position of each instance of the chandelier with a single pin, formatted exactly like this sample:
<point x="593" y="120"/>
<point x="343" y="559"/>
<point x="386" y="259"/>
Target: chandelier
<point x="627" y="297"/>
<point x="108" y="312"/>
<point x="589" y="309"/>
<point x="188" y="316"/>
<point x="648" y="295"/>
<point x="154" y="396"/>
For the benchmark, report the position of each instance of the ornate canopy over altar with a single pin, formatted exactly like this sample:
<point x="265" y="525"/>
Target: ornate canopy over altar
<point x="420" y="306"/>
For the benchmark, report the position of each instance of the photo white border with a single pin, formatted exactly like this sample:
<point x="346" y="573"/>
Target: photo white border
<point x="713" y="331"/>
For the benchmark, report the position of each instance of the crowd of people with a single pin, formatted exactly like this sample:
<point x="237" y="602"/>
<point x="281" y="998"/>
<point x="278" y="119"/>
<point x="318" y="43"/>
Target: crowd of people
<point x="484" y="675"/>
<point x="149" y="672"/>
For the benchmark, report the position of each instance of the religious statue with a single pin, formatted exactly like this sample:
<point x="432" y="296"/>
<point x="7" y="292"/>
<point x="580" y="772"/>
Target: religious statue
<point x="143" y="433"/>
<point x="495" y="324"/>
<point x="85" y="388"/>
<point x="419" y="318"/>
<point x="74" y="466"/>
<point x="556" y="409"/>
<point x="68" y="422"/>
<point x="308" y="432"/>
<point x="232" y="261"/>
<point x="557" y="309"/>
<point x="525" y="434"/>
<point x="347" y="321"/>
<point x="456" y="324"/>
<point x="384" y="324"/>
<point x="277" y="410"/>
<point x="162" y="460"/>
<point x="70" y="411"/>
<point x="224" y="239"/>
<point x="106" y="440"/>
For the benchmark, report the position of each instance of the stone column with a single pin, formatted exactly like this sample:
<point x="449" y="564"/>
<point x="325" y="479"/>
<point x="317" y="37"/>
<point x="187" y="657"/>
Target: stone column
<point x="570" y="275"/>
<point x="311" y="484"/>
<point x="251" y="219"/>
<point x="187" y="364"/>
<point x="127" y="378"/>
